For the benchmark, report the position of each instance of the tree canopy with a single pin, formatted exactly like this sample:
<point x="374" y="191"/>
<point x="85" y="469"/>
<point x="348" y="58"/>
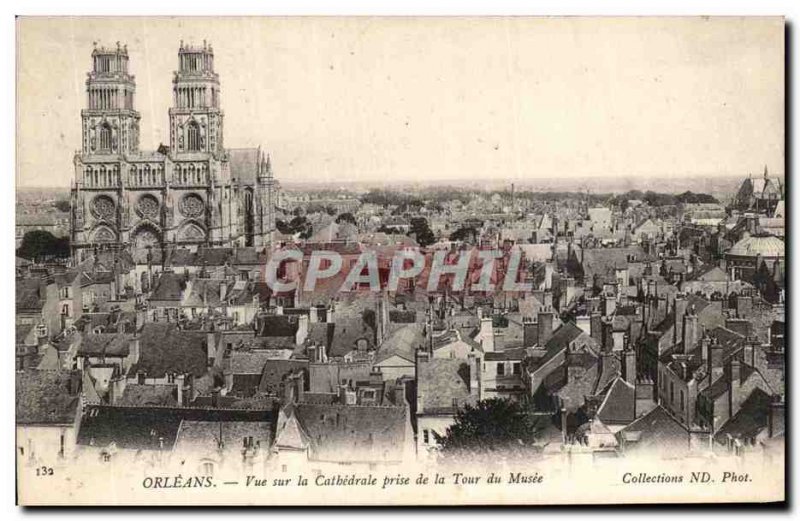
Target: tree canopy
<point x="494" y="427"/>
<point x="346" y="217"/>
<point x="421" y="231"/>
<point x="40" y="244"/>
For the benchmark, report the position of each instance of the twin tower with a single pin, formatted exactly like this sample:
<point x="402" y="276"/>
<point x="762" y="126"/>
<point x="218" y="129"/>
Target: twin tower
<point x="193" y="192"/>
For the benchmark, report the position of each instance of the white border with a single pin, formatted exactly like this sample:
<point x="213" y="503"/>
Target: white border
<point x="788" y="8"/>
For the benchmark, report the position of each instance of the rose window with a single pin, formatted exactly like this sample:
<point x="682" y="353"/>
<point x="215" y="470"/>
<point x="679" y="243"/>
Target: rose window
<point x="148" y="207"/>
<point x="192" y="206"/>
<point x="103" y="207"/>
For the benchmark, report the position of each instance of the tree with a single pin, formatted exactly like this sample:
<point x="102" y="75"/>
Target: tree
<point x="39" y="244"/>
<point x="62" y="205"/>
<point x="421" y="231"/>
<point x="466" y="233"/>
<point x="346" y="217"/>
<point x="494" y="427"/>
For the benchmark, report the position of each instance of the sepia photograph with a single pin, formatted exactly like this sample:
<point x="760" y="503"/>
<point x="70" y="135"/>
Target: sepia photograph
<point x="376" y="261"/>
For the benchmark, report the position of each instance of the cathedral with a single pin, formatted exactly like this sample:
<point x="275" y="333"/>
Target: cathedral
<point x="192" y="193"/>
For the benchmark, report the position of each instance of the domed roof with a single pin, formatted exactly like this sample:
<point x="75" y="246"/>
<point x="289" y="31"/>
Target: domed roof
<point x="764" y="245"/>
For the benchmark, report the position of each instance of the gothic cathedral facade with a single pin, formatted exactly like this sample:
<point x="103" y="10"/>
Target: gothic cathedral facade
<point x="192" y="193"/>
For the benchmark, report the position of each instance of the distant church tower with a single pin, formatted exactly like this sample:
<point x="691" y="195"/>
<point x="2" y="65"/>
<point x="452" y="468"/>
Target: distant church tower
<point x="193" y="193"/>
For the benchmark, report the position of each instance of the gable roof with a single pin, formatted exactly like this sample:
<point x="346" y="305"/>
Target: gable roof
<point x="443" y="386"/>
<point x="150" y="428"/>
<point x="656" y="431"/>
<point x="619" y="403"/>
<point x="402" y="343"/>
<point x="354" y="433"/>
<point x="165" y="349"/>
<point x="47" y="397"/>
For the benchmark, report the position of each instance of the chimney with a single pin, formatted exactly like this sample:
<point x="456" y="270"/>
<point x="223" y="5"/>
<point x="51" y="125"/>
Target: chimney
<point x="608" y="337"/>
<point x="180" y="381"/>
<point x="548" y="299"/>
<point x="715" y="368"/>
<point x="289" y="391"/>
<point x="313" y="314"/>
<point x="487" y="335"/>
<point x="545" y="326"/>
<point x="680" y="311"/>
<point x="530" y="333"/>
<point x="777" y="416"/>
<point x="300" y="384"/>
<point x="661" y="307"/>
<point x="563" y="426"/>
<point x="302" y="330"/>
<point x="474" y="374"/>
<point x="744" y="306"/>
<point x="749" y="351"/>
<point x="739" y="325"/>
<point x="133" y="351"/>
<point x="629" y="366"/>
<point x="736" y="383"/>
<point x="74" y="383"/>
<point x="689" y="332"/>
<point x="211" y="348"/>
<point x="596" y="328"/>
<point x="399" y="394"/>
<point x="705" y="346"/>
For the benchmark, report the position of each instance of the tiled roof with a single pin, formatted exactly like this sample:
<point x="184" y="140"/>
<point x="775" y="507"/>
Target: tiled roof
<point x="150" y="428"/>
<point x="204" y="436"/>
<point x="47" y="397"/>
<point x="403" y="343"/>
<point x="618" y="406"/>
<point x="169" y="286"/>
<point x="764" y="245"/>
<point x="354" y="433"/>
<point x="751" y="419"/>
<point x="248" y="362"/>
<point x="276" y="325"/>
<point x="166" y="349"/>
<point x="30" y="294"/>
<point x="104" y="344"/>
<point x="275" y="372"/>
<point x="443" y="384"/>
<point x="347" y="332"/>
<point x="149" y="394"/>
<point x="657" y="431"/>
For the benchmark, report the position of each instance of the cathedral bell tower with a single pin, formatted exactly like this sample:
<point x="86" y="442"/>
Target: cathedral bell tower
<point x="266" y="188"/>
<point x="195" y="119"/>
<point x="110" y="123"/>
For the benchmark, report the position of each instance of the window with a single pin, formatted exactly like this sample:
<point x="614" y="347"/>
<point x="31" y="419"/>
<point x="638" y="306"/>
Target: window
<point x="208" y="469"/>
<point x="193" y="136"/>
<point x="105" y="138"/>
<point x="65" y="310"/>
<point x="517" y="368"/>
<point x="682" y="405"/>
<point x="426" y="437"/>
<point x="671" y="392"/>
<point x="501" y="369"/>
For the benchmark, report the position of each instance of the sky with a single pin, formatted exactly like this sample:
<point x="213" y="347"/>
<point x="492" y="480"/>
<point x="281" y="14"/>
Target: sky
<point x="434" y="99"/>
